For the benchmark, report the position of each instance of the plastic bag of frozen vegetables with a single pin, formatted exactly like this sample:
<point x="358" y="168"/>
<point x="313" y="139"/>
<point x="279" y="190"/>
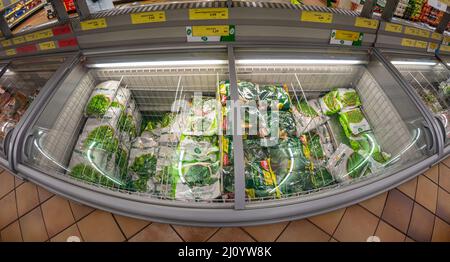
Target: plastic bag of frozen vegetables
<point x="101" y="98"/>
<point x="274" y="93"/>
<point x="366" y="145"/>
<point x="99" y="150"/>
<point x="353" y="121"/>
<point x="338" y="99"/>
<point x="248" y="92"/>
<point x="278" y="124"/>
<point x="308" y="115"/>
<point x="203" y="118"/>
<point x="196" y="171"/>
<point x="346" y="164"/>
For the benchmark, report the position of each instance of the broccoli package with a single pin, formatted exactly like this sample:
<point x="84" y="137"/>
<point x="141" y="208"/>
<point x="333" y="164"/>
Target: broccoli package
<point x="274" y="93"/>
<point x="100" y="150"/>
<point x="353" y="121"/>
<point x="346" y="164"/>
<point x="338" y="99"/>
<point x="196" y="171"/>
<point x="101" y="98"/>
<point x="248" y="92"/>
<point x="308" y="115"/>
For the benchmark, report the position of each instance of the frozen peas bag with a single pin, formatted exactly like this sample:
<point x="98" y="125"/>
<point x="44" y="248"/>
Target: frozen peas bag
<point x="353" y="121"/>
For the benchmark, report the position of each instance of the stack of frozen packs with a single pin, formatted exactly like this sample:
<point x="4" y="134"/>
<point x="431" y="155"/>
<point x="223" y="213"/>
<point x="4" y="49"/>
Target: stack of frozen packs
<point x="363" y="154"/>
<point x="99" y="156"/>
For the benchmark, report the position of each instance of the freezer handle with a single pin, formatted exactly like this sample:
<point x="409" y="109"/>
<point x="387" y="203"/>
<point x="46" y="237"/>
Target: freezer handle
<point x="428" y="137"/>
<point x="27" y="147"/>
<point x="442" y="127"/>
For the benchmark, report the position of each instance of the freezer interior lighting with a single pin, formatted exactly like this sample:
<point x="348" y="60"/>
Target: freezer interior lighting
<point x="413" y="63"/>
<point x="159" y="63"/>
<point x="299" y="62"/>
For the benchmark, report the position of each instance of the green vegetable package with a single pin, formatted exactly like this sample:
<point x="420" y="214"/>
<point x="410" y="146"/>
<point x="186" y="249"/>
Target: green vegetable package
<point x="346" y="164"/>
<point x="339" y="98"/>
<point x="353" y="122"/>
<point x="308" y="115"/>
<point x="274" y="93"/>
<point x="248" y="92"/>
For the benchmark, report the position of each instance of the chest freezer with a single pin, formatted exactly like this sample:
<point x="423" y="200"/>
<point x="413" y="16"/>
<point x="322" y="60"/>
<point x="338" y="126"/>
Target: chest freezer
<point x="21" y="81"/>
<point x="429" y="79"/>
<point x="187" y="136"/>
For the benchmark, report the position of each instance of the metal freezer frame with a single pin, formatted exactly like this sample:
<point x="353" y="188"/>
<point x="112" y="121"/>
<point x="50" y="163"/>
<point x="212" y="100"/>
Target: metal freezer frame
<point x="240" y="213"/>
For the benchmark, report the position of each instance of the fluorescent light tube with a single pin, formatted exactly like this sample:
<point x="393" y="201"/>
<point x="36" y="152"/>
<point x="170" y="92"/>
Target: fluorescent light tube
<point x="298" y="61"/>
<point x="159" y="63"/>
<point x="412" y="63"/>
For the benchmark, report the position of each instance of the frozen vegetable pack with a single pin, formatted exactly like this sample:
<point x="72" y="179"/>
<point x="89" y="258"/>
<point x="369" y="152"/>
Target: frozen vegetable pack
<point x="248" y="92"/>
<point x="339" y="98"/>
<point x="101" y="98"/>
<point x="278" y="94"/>
<point x="346" y="164"/>
<point x="308" y="115"/>
<point x="353" y="122"/>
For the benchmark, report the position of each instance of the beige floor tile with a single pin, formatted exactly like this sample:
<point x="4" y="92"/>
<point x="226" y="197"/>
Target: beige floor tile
<point x="441" y="231"/>
<point x="303" y="231"/>
<point x="387" y="233"/>
<point x="68" y="232"/>
<point x="433" y="173"/>
<point x="328" y="221"/>
<point x="8" y="209"/>
<point x="6" y="183"/>
<point x="43" y="194"/>
<point x="27" y="198"/>
<point x="156" y="232"/>
<point x="446" y="161"/>
<point x="195" y="234"/>
<point x="79" y="210"/>
<point x="443" y="206"/>
<point x="421" y="226"/>
<point x="407" y="239"/>
<point x="231" y="234"/>
<point x="130" y="226"/>
<point x="33" y="227"/>
<point x="426" y="193"/>
<point x="333" y="240"/>
<point x="409" y="188"/>
<point x="11" y="233"/>
<point x="357" y="224"/>
<point x="398" y="209"/>
<point x="18" y="181"/>
<point x="57" y="215"/>
<point x="375" y="204"/>
<point x="266" y="233"/>
<point x="100" y="226"/>
<point x="444" y="177"/>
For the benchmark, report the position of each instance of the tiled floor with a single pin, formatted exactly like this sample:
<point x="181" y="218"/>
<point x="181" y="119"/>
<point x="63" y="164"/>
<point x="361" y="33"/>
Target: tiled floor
<point x="418" y="210"/>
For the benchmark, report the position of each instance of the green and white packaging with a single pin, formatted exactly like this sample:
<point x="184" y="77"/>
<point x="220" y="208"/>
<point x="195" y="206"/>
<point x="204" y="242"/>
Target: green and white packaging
<point x="353" y="121"/>
<point x="308" y="115"/>
<point x="346" y="164"/>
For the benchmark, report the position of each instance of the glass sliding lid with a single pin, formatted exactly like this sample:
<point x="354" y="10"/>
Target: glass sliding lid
<point x="145" y="125"/>
<point x="19" y="85"/>
<point x="317" y="120"/>
<point x="430" y="79"/>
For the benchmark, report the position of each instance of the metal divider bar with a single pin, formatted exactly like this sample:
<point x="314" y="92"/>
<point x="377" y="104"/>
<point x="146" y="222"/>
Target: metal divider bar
<point x="238" y="146"/>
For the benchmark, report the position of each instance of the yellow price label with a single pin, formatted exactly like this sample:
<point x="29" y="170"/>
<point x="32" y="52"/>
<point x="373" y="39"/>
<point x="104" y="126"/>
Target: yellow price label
<point x="347" y="35"/>
<point x="18" y="40"/>
<point x="210" y="30"/>
<point x="432" y="46"/>
<point x="148" y="17"/>
<point x="47" y="45"/>
<point x="417" y="32"/>
<point x="446" y="2"/>
<point x="421" y="44"/>
<point x="408" y="42"/>
<point x="316" y="17"/>
<point x="366" y="23"/>
<point x="93" y="24"/>
<point x="1" y="4"/>
<point x="208" y="13"/>
<point x="6" y="43"/>
<point x="10" y="52"/>
<point x="436" y="36"/>
<point x="39" y="35"/>
<point x="445" y="48"/>
<point x="390" y="27"/>
<point x="446" y="39"/>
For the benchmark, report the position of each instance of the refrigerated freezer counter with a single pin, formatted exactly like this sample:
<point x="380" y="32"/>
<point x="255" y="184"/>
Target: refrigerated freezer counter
<point x="21" y="81"/>
<point x="155" y="135"/>
<point x="430" y="80"/>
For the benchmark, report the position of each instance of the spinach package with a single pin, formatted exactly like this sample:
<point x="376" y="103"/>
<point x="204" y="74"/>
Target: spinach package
<point x="366" y="145"/>
<point x="353" y="121"/>
<point x="348" y="97"/>
<point x="345" y="164"/>
<point x="203" y="118"/>
<point x="278" y="124"/>
<point x="278" y="94"/>
<point x="101" y="98"/>
<point x="196" y="170"/>
<point x="308" y="115"/>
<point x="142" y="162"/>
<point x="248" y="92"/>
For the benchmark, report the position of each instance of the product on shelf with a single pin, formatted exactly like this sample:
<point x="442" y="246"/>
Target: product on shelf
<point x="308" y="115"/>
<point x="346" y="164"/>
<point x="353" y="121"/>
<point x="101" y="98"/>
<point x="273" y="93"/>
<point x="248" y="92"/>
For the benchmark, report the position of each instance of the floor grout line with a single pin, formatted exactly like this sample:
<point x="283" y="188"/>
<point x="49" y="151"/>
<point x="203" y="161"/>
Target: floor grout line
<point x="337" y="226"/>
<point x="206" y="240"/>
<point x="245" y="231"/>
<point x="139" y="231"/>
<point x="176" y="232"/>
<point x="282" y="231"/>
<point x="118" y="225"/>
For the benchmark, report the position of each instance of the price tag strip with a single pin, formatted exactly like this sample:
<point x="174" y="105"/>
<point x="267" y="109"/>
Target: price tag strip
<point x="148" y="17"/>
<point x="93" y="24"/>
<point x="432" y="47"/>
<point x="343" y="37"/>
<point x="208" y="13"/>
<point x="211" y="33"/>
<point x="366" y="23"/>
<point x="417" y="32"/>
<point x="316" y="17"/>
<point x="395" y="28"/>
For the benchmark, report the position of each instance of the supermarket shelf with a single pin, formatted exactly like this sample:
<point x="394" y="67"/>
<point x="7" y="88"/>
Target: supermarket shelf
<point x="26" y="15"/>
